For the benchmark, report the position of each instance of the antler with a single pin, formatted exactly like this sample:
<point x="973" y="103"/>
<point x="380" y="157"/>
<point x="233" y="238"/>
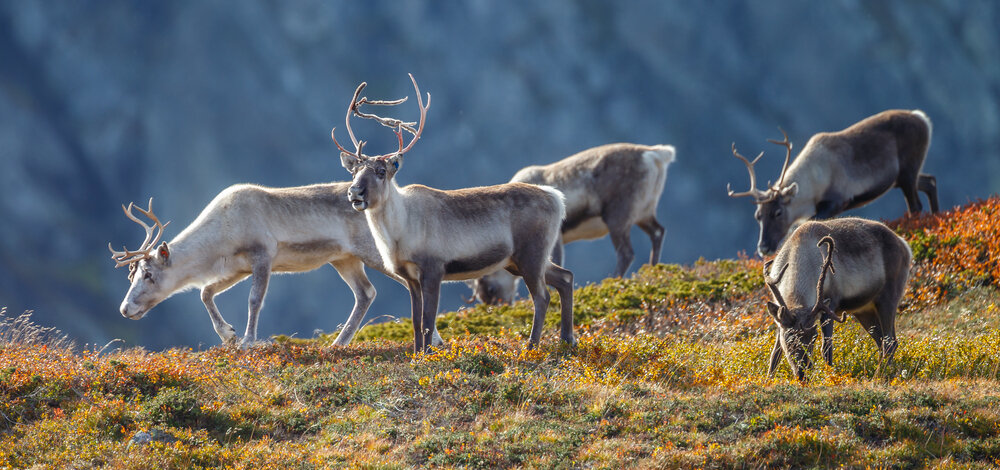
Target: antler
<point x="761" y="197"/>
<point x="126" y="256"/>
<point x="827" y="265"/>
<point x="397" y="126"/>
<point x="772" y="284"/>
<point x="788" y="155"/>
<point x="758" y="195"/>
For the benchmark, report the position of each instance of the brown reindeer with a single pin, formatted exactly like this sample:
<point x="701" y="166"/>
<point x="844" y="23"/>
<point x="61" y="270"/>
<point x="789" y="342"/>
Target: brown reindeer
<point x="872" y="266"/>
<point x="837" y="171"/>
<point x="427" y="236"/>
<point x="608" y="189"/>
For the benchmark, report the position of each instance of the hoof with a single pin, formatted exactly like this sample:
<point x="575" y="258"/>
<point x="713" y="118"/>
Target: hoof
<point x="436" y="339"/>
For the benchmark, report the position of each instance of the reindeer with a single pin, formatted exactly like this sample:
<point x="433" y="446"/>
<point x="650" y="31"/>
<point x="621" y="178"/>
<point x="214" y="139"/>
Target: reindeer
<point x="837" y="171"/>
<point x="250" y="230"/>
<point x="608" y="190"/>
<point x="427" y="236"/>
<point x="873" y="264"/>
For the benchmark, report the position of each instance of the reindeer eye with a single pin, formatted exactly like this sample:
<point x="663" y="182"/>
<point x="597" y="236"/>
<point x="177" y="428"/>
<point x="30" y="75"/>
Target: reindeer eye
<point x="777" y="212"/>
<point x="148" y="276"/>
<point x="380" y="173"/>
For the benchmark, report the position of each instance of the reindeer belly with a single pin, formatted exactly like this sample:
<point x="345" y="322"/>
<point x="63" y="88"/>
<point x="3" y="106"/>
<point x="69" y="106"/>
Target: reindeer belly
<point x="304" y="256"/>
<point x="475" y="266"/>
<point x="588" y="229"/>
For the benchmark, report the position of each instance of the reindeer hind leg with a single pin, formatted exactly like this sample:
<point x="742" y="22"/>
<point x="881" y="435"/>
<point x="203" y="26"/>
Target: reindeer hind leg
<point x="561" y="280"/>
<point x="352" y="271"/>
<point x="655" y="231"/>
<point x="928" y="184"/>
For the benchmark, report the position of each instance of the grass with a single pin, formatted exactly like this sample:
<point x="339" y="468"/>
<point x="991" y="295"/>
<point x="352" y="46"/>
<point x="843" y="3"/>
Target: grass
<point x="669" y="372"/>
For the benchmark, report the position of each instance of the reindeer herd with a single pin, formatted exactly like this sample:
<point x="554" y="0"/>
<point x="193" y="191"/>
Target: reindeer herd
<point x="494" y="235"/>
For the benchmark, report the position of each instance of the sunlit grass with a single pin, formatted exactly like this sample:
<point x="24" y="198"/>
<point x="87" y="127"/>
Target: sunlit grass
<point x="670" y="371"/>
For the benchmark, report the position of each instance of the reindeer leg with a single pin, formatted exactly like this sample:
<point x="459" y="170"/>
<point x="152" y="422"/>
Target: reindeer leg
<point x="869" y="321"/>
<point x="431" y="291"/>
<point x="827" y="346"/>
<point x="352" y="271"/>
<point x="562" y="281"/>
<point x="928" y="184"/>
<point x="886" y="307"/>
<point x="557" y="252"/>
<point x="775" y="356"/>
<point x="416" y="314"/>
<point x="261" y="266"/>
<point x="222" y="328"/>
<point x="623" y="248"/>
<point x="655" y="231"/>
<point x="909" y="188"/>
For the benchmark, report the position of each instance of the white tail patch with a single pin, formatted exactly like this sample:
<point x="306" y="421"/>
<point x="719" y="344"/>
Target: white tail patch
<point x="560" y="198"/>
<point x="663" y="154"/>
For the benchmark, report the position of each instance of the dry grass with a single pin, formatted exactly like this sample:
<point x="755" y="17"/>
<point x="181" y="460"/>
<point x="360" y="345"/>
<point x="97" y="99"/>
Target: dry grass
<point x="669" y="372"/>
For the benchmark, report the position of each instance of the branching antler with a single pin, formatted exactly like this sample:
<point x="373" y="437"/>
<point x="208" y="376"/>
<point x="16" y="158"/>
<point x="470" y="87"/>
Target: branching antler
<point x="772" y="284"/>
<point x="768" y="195"/>
<point x="397" y="125"/>
<point x="788" y="155"/>
<point x="758" y="195"/>
<point x="827" y="265"/>
<point x="153" y="234"/>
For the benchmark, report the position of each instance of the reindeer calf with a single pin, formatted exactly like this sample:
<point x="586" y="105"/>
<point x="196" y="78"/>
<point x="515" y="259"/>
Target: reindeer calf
<point x="608" y="189"/>
<point x="872" y="264"/>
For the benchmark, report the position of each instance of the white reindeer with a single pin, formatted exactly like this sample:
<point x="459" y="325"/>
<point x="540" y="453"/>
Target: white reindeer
<point x="427" y="236"/>
<point x="252" y="231"/>
<point x="608" y="189"/>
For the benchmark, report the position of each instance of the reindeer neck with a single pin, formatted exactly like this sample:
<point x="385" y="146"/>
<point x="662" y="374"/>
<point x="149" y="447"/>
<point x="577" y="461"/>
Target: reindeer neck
<point x="193" y="258"/>
<point x="390" y="223"/>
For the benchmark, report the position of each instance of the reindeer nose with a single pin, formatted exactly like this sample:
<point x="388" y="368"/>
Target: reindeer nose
<point x="355" y="192"/>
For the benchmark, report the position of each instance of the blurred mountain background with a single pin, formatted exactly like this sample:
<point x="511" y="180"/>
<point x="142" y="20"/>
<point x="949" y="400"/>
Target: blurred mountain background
<point x="104" y="102"/>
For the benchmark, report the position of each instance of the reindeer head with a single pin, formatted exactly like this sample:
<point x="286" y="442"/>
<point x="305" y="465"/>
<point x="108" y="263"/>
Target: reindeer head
<point x="797" y="326"/>
<point x="147" y="266"/>
<point x="372" y="174"/>
<point x="772" y="204"/>
<point x="495" y="288"/>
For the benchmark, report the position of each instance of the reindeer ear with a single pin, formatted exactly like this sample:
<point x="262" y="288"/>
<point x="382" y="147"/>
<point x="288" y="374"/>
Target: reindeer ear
<point x="163" y="252"/>
<point x="789" y="191"/>
<point x="392" y="165"/>
<point x="775" y="311"/>
<point x="349" y="162"/>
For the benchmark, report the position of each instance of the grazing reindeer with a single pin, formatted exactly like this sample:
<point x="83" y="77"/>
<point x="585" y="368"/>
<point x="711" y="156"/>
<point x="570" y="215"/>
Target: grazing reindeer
<point x="608" y="190"/>
<point x="250" y="230"/>
<point x="873" y="264"/>
<point x="837" y="171"/>
<point x="427" y="236"/>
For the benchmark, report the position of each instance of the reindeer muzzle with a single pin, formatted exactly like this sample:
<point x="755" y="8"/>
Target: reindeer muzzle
<point x="357" y="197"/>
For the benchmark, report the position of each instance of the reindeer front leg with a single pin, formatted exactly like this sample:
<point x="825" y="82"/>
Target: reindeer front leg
<point x="416" y="314"/>
<point x="827" y="347"/>
<point x="430" y="284"/>
<point x="222" y="328"/>
<point x="258" y="289"/>
<point x="775" y="355"/>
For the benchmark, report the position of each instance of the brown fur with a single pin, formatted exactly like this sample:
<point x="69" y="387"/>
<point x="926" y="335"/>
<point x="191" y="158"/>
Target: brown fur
<point x="872" y="265"/>
<point x="838" y="171"/>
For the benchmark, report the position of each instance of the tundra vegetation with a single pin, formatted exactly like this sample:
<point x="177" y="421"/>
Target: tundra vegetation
<point x="670" y="371"/>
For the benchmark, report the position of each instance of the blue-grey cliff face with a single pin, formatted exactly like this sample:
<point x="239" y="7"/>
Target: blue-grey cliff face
<point x="105" y="102"/>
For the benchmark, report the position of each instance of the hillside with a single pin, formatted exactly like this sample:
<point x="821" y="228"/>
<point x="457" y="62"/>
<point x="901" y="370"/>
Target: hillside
<point x="669" y="371"/>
